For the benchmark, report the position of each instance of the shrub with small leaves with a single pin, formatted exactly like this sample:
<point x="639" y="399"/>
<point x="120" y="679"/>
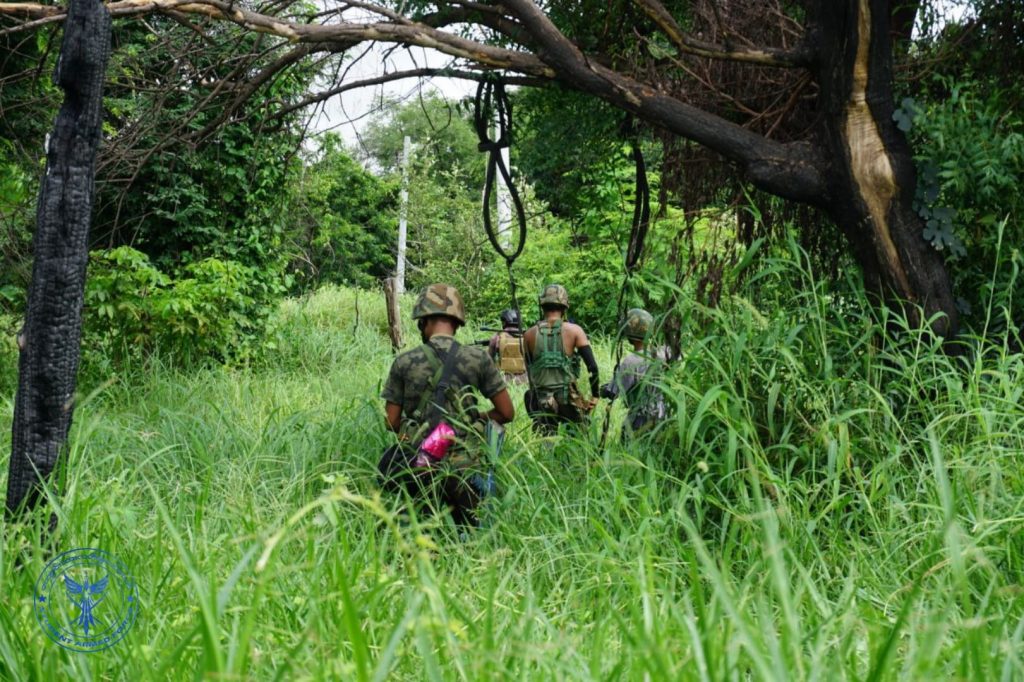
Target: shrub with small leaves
<point x="211" y="310"/>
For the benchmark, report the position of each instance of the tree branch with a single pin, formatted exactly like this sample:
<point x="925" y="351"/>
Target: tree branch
<point x="245" y="92"/>
<point x="765" y="56"/>
<point x="400" y="75"/>
<point x="343" y="31"/>
<point x="791" y="171"/>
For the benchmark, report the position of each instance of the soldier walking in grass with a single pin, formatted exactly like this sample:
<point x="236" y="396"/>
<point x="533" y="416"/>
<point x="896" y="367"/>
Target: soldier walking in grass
<point x="554" y="348"/>
<point x="635" y="376"/>
<point x="506" y="347"/>
<point x="429" y="402"/>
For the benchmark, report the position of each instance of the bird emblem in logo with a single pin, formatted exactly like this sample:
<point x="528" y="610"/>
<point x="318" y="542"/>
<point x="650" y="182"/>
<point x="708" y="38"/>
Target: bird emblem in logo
<point x="85" y="600"/>
<point x="87" y="597"/>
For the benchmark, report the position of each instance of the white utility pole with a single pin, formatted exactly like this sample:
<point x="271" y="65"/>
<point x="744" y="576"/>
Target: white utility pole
<point x="504" y="198"/>
<point x="403" y="213"/>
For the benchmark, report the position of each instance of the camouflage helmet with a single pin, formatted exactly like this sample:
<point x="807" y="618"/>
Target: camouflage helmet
<point x="439" y="299"/>
<point x="637" y="324"/>
<point x="554" y="294"/>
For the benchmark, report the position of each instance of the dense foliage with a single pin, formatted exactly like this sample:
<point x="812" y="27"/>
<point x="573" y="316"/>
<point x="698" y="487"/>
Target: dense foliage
<point x="342" y="222"/>
<point x="183" y="176"/>
<point x="133" y="310"/>
<point x="971" y="167"/>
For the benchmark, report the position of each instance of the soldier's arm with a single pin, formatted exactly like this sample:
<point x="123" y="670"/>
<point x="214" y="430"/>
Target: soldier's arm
<point x="393" y="394"/>
<point x="393" y="413"/>
<point x="582" y="345"/>
<point x="503" y="411"/>
<point x="579" y="337"/>
<point x="490" y="383"/>
<point x="529" y="340"/>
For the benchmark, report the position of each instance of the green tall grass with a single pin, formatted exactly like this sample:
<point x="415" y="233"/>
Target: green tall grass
<point x="826" y="503"/>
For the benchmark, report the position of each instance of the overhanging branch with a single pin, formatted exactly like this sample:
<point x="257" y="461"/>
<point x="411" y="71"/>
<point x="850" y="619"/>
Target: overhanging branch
<point x="344" y="32"/>
<point x="792" y="171"/>
<point x="788" y="170"/>
<point x="401" y="75"/>
<point x="765" y="56"/>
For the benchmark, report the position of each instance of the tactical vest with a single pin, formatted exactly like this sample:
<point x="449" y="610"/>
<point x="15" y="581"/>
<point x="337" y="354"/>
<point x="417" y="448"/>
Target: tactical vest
<point x="551" y="370"/>
<point x="510" y="354"/>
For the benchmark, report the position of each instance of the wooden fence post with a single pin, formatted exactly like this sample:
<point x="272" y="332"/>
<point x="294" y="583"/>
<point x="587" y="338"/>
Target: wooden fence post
<point x="394" y="318"/>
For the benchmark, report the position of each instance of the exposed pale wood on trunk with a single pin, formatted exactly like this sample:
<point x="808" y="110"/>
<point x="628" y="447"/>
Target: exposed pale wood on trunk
<point x="869" y="159"/>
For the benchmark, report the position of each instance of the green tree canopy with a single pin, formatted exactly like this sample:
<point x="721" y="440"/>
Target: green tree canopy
<point x="440" y="131"/>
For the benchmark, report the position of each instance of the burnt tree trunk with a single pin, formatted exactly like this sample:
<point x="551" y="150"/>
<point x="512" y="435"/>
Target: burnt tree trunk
<point x="49" y="359"/>
<point x="871" y="179"/>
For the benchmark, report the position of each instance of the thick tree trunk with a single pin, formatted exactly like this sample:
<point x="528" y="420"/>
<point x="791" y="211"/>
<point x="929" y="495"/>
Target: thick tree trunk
<point x="871" y="181"/>
<point x="52" y="334"/>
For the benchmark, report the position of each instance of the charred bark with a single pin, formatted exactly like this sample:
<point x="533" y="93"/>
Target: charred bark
<point x="871" y="181"/>
<point x="49" y="359"/>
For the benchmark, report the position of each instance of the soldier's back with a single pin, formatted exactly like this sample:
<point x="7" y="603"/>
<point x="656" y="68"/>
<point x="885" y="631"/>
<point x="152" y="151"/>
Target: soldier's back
<point x="414" y="370"/>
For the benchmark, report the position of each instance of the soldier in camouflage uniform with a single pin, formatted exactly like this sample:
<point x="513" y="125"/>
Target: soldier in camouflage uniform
<point x="635" y="376"/>
<point x="554" y="348"/>
<point x="506" y="348"/>
<point x="457" y="479"/>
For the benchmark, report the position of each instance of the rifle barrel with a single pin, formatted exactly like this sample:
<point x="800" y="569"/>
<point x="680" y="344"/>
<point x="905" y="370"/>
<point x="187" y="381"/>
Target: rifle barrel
<point x="513" y="332"/>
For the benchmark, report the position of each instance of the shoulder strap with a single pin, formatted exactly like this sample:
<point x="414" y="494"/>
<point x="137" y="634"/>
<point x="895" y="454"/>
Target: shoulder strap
<point x="432" y="415"/>
<point x="435" y="363"/>
<point x="552" y="337"/>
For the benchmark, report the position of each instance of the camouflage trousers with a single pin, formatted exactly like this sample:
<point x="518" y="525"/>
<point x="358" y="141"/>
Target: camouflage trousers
<point x="456" y="483"/>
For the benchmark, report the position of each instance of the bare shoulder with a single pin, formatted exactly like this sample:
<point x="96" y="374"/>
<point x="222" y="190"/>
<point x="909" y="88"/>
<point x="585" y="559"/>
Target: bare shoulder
<point x="575" y="331"/>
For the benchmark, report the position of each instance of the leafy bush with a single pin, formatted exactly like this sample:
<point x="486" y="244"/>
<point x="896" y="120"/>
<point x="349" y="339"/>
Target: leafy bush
<point x="971" y="168"/>
<point x="344" y="221"/>
<point x="213" y="309"/>
<point x="16" y="194"/>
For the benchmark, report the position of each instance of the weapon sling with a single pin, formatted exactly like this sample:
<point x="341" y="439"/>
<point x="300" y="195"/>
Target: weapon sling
<point x="436" y="407"/>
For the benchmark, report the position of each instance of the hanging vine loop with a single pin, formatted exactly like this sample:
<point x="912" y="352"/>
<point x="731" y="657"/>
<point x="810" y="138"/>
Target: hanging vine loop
<point x="493" y="106"/>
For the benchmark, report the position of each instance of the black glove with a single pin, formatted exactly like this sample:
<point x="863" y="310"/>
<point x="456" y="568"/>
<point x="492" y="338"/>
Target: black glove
<point x="607" y="391"/>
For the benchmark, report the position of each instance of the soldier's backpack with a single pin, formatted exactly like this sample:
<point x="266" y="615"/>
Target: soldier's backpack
<point x="510" y="354"/>
<point x="551" y="370"/>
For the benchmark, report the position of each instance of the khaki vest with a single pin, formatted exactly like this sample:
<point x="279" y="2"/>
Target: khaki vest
<point x="510" y="354"/>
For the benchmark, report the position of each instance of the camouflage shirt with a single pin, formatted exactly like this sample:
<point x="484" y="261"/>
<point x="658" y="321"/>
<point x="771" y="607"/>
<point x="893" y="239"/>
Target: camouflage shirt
<point x="632" y="379"/>
<point x="412" y="371"/>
